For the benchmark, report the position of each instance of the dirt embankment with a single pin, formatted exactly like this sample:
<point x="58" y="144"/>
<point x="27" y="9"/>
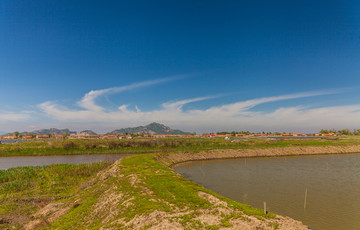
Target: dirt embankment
<point x="175" y="158"/>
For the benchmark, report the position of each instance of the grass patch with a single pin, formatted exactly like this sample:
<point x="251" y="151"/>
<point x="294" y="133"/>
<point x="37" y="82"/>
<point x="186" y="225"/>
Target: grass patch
<point x="25" y="190"/>
<point x="148" y="145"/>
<point x="274" y="225"/>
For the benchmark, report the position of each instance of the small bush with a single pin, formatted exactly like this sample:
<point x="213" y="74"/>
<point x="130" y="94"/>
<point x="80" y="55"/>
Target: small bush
<point x="69" y="145"/>
<point x="112" y="145"/>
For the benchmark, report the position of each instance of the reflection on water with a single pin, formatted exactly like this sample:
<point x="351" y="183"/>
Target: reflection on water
<point x="332" y="183"/>
<point x="12" y="162"/>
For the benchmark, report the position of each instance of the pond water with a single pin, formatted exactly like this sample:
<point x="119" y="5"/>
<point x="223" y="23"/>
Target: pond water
<point x="12" y="162"/>
<point x="332" y="183"/>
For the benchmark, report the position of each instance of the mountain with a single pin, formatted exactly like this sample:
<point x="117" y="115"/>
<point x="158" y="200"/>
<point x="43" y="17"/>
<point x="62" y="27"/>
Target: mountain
<point x="88" y="132"/>
<point x="50" y="131"/>
<point x="152" y="129"/>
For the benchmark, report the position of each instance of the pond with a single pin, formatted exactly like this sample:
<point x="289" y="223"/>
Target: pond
<point x="321" y="191"/>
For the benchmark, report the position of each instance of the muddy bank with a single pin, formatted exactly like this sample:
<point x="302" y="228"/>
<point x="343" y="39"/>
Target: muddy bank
<point x="175" y="158"/>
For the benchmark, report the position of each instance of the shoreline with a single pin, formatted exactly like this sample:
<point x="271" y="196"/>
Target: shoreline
<point x="171" y="159"/>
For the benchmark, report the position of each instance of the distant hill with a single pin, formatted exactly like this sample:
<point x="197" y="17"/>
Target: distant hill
<point x="152" y="129"/>
<point x="88" y="132"/>
<point x="50" y="131"/>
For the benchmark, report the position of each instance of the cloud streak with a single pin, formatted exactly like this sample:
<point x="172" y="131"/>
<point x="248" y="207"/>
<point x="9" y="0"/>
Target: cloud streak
<point x="234" y="116"/>
<point x="88" y="101"/>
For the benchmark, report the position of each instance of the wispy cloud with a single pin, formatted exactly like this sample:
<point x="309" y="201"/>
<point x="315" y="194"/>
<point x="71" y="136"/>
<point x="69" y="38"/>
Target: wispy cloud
<point x="178" y="105"/>
<point x="234" y="116"/>
<point x="88" y="101"/>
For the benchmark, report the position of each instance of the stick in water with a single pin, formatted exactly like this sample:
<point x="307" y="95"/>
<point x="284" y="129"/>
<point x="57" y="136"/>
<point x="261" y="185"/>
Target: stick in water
<point x="305" y="198"/>
<point x="264" y="207"/>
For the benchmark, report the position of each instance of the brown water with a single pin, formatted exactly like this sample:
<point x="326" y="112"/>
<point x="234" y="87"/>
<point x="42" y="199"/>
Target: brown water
<point x="12" y="162"/>
<point x="332" y="183"/>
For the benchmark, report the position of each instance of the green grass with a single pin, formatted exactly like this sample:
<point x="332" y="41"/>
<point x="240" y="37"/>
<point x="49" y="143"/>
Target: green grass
<point x="274" y="225"/>
<point x="26" y="189"/>
<point x="147" y="145"/>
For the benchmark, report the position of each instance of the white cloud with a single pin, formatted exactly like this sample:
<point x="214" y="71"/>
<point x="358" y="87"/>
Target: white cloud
<point x="177" y="105"/>
<point x="88" y="101"/>
<point x="234" y="116"/>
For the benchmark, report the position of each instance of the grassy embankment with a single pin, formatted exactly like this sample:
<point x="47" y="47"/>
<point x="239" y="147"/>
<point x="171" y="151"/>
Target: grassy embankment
<point x="137" y="192"/>
<point x="72" y="147"/>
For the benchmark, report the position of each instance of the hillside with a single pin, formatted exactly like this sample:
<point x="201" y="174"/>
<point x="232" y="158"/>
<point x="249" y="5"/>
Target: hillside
<point x="88" y="132"/>
<point x="152" y="129"/>
<point x="53" y="131"/>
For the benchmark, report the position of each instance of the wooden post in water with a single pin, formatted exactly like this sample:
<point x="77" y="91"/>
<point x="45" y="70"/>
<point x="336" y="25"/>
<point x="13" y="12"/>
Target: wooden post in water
<point x="305" y="198"/>
<point x="265" y="207"/>
<point x="202" y="172"/>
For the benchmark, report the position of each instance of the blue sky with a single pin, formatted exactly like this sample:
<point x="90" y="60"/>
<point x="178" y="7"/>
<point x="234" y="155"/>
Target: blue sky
<point x="195" y="65"/>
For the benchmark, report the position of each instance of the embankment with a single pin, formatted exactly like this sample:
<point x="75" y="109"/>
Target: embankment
<point x="175" y="158"/>
<point x="143" y="192"/>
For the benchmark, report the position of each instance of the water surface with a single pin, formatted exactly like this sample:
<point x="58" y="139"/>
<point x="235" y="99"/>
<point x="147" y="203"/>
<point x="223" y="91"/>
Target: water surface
<point x="332" y="183"/>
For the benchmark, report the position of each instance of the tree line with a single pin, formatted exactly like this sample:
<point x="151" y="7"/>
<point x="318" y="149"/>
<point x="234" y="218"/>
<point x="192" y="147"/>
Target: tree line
<point x="342" y="132"/>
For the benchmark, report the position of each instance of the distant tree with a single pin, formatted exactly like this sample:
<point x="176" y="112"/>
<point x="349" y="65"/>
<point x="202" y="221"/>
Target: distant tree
<point x="356" y="132"/>
<point x="50" y="135"/>
<point x="324" y="131"/>
<point x="21" y="136"/>
<point x="32" y="135"/>
<point x="193" y="133"/>
<point x="345" y="132"/>
<point x="221" y="133"/>
<point x="65" y="135"/>
<point x="16" y="134"/>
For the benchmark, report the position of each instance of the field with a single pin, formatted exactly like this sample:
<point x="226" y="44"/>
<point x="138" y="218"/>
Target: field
<point x="145" y="145"/>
